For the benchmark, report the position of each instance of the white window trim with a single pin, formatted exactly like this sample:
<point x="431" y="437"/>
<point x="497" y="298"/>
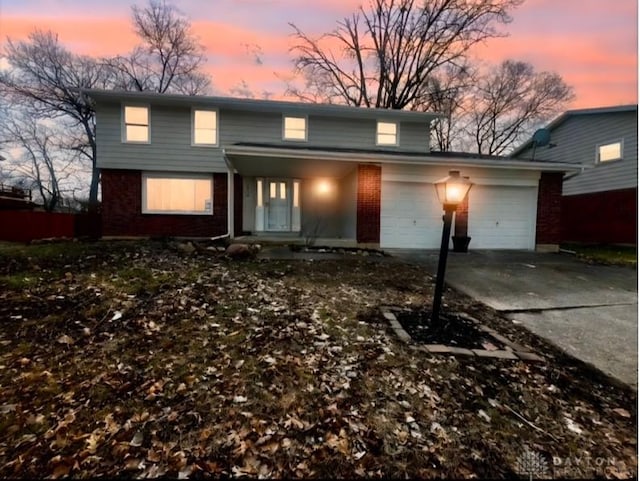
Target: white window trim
<point x="397" y="133"/>
<point x="306" y="128"/>
<point x="123" y="125"/>
<point x="173" y="175"/>
<point x="193" y="127"/>
<point x="620" y="141"/>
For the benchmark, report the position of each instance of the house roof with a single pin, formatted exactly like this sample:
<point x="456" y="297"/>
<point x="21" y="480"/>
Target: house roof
<point x="574" y="113"/>
<point x="259" y="105"/>
<point x="451" y="159"/>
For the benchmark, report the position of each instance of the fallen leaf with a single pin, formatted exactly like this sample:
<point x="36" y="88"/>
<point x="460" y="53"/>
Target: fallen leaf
<point x="137" y="439"/>
<point x="64" y="339"/>
<point x="622" y="412"/>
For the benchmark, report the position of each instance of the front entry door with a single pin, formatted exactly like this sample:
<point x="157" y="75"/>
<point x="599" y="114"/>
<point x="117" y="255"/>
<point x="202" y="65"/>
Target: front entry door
<point x="278" y="205"/>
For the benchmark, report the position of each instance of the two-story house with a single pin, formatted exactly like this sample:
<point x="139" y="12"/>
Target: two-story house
<point x="195" y="166"/>
<point x="599" y="203"/>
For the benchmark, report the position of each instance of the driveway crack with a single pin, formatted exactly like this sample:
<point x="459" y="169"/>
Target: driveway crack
<point x="563" y="308"/>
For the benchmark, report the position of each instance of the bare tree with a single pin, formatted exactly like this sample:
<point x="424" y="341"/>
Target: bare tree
<point x="45" y="78"/>
<point x="40" y="165"/>
<point x="447" y="92"/>
<point x="509" y="101"/>
<point x="383" y="57"/>
<point x="169" y="59"/>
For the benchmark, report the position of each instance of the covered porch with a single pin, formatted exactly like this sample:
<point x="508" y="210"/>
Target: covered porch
<point x="296" y="200"/>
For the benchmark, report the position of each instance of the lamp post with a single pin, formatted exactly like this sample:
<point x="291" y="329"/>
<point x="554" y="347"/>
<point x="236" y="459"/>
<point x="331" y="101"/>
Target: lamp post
<point x="451" y="191"/>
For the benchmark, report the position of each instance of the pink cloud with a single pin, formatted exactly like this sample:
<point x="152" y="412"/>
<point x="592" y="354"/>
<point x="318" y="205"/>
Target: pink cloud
<point x="86" y="35"/>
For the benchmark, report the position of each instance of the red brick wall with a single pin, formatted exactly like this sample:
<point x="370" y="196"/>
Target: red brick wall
<point x="368" y="209"/>
<point x="549" y="220"/>
<point x="601" y="217"/>
<point x="462" y="218"/>
<point x="122" y="210"/>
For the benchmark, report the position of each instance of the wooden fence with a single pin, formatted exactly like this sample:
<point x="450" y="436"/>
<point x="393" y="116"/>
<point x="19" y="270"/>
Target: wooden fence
<point x="25" y="226"/>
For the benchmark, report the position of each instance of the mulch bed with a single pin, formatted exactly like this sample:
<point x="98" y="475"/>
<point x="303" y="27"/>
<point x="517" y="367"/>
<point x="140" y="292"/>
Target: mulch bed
<point x="452" y="330"/>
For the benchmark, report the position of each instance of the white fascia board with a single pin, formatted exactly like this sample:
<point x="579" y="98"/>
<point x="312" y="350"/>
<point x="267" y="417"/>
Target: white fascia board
<point x="401" y="159"/>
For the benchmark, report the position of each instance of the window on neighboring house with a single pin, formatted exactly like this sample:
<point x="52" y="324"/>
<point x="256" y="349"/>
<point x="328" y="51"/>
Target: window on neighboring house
<point x="177" y="194"/>
<point x="205" y="127"/>
<point x="608" y="152"/>
<point x="387" y="133"/>
<point x="136" y="124"/>
<point x="295" y="128"/>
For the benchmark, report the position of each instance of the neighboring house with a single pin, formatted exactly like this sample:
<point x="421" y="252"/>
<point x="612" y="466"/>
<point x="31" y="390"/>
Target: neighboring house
<point x="599" y="204"/>
<point x="195" y="166"/>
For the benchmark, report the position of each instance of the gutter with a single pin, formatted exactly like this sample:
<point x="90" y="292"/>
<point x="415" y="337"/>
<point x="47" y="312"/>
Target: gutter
<point x="399" y="159"/>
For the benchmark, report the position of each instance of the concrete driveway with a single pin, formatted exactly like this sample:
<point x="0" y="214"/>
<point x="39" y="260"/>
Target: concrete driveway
<point x="589" y="311"/>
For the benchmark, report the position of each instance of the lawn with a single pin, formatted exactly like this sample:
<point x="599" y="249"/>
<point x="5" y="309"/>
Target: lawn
<point x="139" y="360"/>
<point x="605" y="254"/>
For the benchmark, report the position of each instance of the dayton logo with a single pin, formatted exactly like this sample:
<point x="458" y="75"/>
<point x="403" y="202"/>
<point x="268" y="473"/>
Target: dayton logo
<point x="531" y="464"/>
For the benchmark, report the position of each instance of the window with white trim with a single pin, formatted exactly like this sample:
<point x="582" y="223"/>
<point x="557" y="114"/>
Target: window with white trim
<point x="387" y="133"/>
<point x="136" y="124"/>
<point x="205" y="127"/>
<point x="294" y="128"/>
<point x="189" y="194"/>
<point x="608" y="152"/>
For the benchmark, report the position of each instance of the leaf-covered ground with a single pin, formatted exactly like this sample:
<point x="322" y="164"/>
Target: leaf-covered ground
<point x="138" y="360"/>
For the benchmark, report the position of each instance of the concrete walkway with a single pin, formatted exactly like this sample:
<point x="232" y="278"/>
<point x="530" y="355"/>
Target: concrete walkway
<point x="589" y="311"/>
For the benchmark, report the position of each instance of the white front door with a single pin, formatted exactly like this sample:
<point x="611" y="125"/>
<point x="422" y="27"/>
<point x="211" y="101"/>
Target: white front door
<point x="278" y="205"/>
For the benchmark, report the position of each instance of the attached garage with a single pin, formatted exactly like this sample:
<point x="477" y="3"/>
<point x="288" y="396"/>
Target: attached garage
<point x="502" y="208"/>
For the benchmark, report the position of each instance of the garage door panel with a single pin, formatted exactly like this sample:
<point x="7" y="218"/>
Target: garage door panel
<point x="410" y="216"/>
<point x="502" y="217"/>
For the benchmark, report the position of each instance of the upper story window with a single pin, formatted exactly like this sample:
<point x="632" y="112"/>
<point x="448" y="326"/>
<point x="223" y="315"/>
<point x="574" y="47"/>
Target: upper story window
<point x="295" y="128"/>
<point x="608" y="152"/>
<point x="136" y="124"/>
<point x="387" y="133"/>
<point x="205" y="127"/>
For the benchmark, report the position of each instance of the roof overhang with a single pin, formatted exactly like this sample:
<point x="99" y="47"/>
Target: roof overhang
<point x="250" y="160"/>
<point x="261" y="105"/>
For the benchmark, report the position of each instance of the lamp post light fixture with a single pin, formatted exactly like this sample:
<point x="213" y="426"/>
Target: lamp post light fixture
<point x="451" y="191"/>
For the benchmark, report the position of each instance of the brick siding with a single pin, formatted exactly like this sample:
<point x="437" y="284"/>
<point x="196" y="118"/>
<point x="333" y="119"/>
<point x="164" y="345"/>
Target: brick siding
<point x="122" y="210"/>
<point x="609" y="217"/>
<point x="549" y="218"/>
<point x="368" y="208"/>
<point x="462" y="218"/>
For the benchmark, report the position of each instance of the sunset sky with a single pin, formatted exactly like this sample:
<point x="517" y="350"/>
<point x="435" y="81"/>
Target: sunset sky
<point x="591" y="43"/>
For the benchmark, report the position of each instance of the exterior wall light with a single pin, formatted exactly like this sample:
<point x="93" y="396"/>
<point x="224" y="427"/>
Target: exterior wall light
<point x="451" y="191"/>
<point x="323" y="187"/>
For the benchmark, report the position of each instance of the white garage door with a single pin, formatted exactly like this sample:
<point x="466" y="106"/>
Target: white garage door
<point x="410" y="216"/>
<point x="502" y="217"/>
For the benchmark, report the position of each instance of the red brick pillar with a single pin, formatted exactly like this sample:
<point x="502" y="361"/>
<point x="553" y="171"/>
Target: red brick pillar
<point x="462" y="218"/>
<point x="368" y="208"/>
<point x="549" y="218"/>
